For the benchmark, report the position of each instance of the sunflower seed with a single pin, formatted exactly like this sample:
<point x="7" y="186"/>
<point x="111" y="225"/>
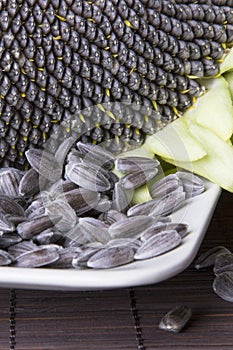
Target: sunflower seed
<point x="5" y="224"/>
<point x="37" y="258"/>
<point x="169" y="203"/>
<point x="36" y="213"/>
<point x="111" y="257"/>
<point x="78" y="236"/>
<point x="158" y="244"/>
<point x="142" y="208"/>
<point x="104" y="204"/>
<point x="61" y="187"/>
<point x="223" y="263"/>
<point x="134" y="164"/>
<point x="81" y="200"/>
<point x="28" y="229"/>
<point x="119" y="242"/>
<point x="30" y="183"/>
<point x="48" y="236"/>
<point x="159" y="226"/>
<point x="65" y="211"/>
<point x="208" y="258"/>
<point x="97" y="154"/>
<point x="21" y="248"/>
<point x="121" y="197"/>
<point x="81" y="259"/>
<point x="163" y="187"/>
<point x="92" y="232"/>
<point x="65" y="258"/>
<point x="176" y="319"/>
<point x="9" y="181"/>
<point x="16" y="219"/>
<point x="192" y="184"/>
<point x="10" y="206"/>
<point x="5" y="258"/>
<point x="113" y="216"/>
<point x="74" y="156"/>
<point x="44" y="163"/>
<point x="94" y="222"/>
<point x="223" y="285"/>
<point x="63" y="149"/>
<point x="9" y="239"/>
<point x="130" y="227"/>
<point x="88" y="176"/>
<point x="138" y="178"/>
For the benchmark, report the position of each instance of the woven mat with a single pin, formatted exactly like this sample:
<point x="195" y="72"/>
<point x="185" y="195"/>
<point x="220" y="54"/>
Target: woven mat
<point x="124" y="318"/>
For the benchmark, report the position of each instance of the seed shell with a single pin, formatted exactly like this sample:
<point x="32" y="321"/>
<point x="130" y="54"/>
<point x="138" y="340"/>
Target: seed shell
<point x="208" y="258"/>
<point x="223" y="263"/>
<point x="130" y="227"/>
<point x="111" y="257"/>
<point x="158" y="244"/>
<point x="223" y="285"/>
<point x="176" y="319"/>
<point x="134" y="164"/>
<point x="134" y="180"/>
<point x="36" y="258"/>
<point x="28" y="229"/>
<point x="5" y="258"/>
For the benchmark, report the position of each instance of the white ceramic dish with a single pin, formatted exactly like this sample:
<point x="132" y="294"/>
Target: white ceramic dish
<point x="197" y="213"/>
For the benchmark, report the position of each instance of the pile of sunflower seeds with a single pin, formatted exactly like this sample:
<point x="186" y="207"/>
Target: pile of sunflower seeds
<point x="70" y="209"/>
<point x="221" y="259"/>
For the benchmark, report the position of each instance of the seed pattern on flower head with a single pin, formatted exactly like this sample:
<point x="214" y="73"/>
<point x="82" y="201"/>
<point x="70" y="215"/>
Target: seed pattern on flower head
<point x="58" y="58"/>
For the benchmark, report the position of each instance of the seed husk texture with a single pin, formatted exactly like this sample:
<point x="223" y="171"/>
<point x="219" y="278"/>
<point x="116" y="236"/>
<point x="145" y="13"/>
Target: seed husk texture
<point x="176" y="319"/>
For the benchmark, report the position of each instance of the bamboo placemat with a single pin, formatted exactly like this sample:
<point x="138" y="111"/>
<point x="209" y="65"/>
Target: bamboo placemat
<point x="124" y="318"/>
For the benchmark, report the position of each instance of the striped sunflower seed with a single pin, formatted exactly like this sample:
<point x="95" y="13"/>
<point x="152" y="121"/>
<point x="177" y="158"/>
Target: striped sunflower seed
<point x="88" y="176"/>
<point x="169" y="203"/>
<point x="158" y="244"/>
<point x="28" y="229"/>
<point x="81" y="258"/>
<point x="111" y="257"/>
<point x="44" y="163"/>
<point x="5" y="258"/>
<point x="223" y="285"/>
<point x="158" y="227"/>
<point x="113" y="216"/>
<point x="38" y="257"/>
<point x="63" y="149"/>
<point x="129" y="242"/>
<point x="64" y="210"/>
<point x="130" y="227"/>
<point x="75" y="156"/>
<point x="142" y="208"/>
<point x="208" y="258"/>
<point x="94" y="232"/>
<point x="9" y="181"/>
<point x="134" y="164"/>
<point x="10" y="207"/>
<point x="96" y="154"/>
<point x="30" y="183"/>
<point x="121" y="197"/>
<point x="192" y="184"/>
<point x="9" y="239"/>
<point x="21" y="248"/>
<point x="5" y="224"/>
<point x="48" y="236"/>
<point x="65" y="259"/>
<point x="134" y="180"/>
<point x="223" y="263"/>
<point x="81" y="200"/>
<point x="104" y="204"/>
<point x="176" y="319"/>
<point x="61" y="187"/>
<point x="163" y="187"/>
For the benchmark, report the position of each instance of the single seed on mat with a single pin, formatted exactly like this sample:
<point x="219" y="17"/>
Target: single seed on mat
<point x="223" y="285"/>
<point x="223" y="263"/>
<point x="208" y="258"/>
<point x="176" y="319"/>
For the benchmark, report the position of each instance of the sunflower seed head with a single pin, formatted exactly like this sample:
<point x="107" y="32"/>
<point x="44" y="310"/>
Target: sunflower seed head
<point x="176" y="319"/>
<point x="111" y="257"/>
<point x="134" y="164"/>
<point x="158" y="244"/>
<point x="208" y="258"/>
